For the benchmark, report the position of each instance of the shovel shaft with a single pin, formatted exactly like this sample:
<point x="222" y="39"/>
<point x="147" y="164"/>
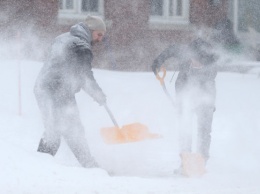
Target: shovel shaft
<point x="167" y="94"/>
<point x="161" y="79"/>
<point x="111" y="115"/>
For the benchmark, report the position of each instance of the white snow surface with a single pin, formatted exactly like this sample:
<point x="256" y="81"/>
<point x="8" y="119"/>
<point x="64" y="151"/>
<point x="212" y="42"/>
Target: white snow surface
<point x="144" y="167"/>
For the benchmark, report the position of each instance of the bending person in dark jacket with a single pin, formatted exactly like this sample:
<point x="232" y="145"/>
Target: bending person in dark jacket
<point x="66" y="71"/>
<point x="195" y="91"/>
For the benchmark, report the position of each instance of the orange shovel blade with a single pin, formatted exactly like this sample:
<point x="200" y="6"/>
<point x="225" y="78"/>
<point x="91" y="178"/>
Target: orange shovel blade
<point x="128" y="133"/>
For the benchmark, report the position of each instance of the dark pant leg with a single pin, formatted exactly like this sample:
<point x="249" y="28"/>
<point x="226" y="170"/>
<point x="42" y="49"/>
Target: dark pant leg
<point x="74" y="134"/>
<point x="184" y="118"/>
<point x="50" y="141"/>
<point x="205" y="118"/>
<point x="78" y="146"/>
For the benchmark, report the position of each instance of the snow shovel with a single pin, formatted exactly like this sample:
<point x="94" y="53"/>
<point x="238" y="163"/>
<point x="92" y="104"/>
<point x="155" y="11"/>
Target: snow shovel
<point x="128" y="133"/>
<point x="161" y="79"/>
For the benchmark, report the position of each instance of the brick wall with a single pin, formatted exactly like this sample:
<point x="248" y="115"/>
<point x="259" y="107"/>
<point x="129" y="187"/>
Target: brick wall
<point x="204" y="12"/>
<point x="130" y="42"/>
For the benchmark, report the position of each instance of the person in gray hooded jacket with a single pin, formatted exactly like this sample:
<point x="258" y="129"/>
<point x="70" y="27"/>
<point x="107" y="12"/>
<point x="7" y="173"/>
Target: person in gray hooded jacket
<point x="65" y="72"/>
<point x="195" y="90"/>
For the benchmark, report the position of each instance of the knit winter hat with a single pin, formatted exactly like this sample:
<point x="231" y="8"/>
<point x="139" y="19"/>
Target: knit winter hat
<point x="95" y="23"/>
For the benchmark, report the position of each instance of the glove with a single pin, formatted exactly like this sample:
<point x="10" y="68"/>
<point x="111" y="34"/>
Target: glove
<point x="100" y="98"/>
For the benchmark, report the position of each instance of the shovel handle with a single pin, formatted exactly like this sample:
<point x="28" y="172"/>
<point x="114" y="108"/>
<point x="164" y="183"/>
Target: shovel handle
<point x="161" y="78"/>
<point x="111" y="115"/>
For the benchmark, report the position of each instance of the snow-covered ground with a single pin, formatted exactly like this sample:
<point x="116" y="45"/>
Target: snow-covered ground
<point x="139" y="168"/>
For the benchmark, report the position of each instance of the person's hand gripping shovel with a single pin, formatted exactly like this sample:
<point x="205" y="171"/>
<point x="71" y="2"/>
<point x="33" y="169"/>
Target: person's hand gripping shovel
<point x="128" y="133"/>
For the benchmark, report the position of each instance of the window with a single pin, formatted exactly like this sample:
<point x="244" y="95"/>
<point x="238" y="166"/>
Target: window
<point x="89" y="6"/>
<point x="78" y="9"/>
<point x="171" y="11"/>
<point x="214" y="2"/>
<point x="244" y="14"/>
<point x="67" y="5"/>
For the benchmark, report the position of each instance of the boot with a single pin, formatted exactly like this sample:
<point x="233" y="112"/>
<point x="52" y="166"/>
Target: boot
<point x="192" y="164"/>
<point x="49" y="148"/>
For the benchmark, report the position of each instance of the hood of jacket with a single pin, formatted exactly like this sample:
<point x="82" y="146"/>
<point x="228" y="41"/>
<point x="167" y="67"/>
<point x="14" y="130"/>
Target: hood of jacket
<point x="83" y="32"/>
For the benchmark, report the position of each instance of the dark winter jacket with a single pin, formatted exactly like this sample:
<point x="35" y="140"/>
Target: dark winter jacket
<point x="204" y="77"/>
<point x="67" y="69"/>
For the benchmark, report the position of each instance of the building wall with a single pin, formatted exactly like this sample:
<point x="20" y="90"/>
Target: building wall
<point x="17" y="16"/>
<point x="205" y="12"/>
<point x="131" y="41"/>
<point x="29" y="22"/>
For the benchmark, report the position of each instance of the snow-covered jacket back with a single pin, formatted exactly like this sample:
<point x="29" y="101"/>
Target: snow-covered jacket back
<point x="67" y="68"/>
<point x="200" y="78"/>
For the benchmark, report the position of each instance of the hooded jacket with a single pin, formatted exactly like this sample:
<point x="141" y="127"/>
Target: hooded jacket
<point x="201" y="78"/>
<point x="67" y="69"/>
